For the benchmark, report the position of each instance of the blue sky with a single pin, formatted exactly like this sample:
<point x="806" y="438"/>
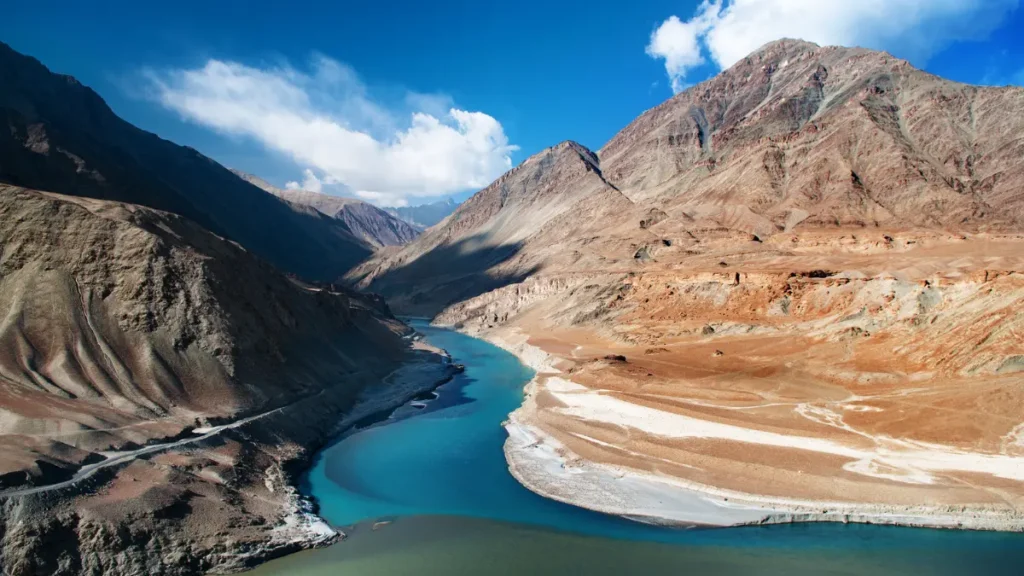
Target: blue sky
<point x="403" y="102"/>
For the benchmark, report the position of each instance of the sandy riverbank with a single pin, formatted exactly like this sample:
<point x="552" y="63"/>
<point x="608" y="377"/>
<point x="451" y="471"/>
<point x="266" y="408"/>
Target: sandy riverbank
<point x="545" y="465"/>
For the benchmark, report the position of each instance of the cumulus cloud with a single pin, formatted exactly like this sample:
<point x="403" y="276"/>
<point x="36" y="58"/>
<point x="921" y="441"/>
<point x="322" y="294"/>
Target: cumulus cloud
<point x="310" y="182"/>
<point x="728" y="30"/>
<point x="325" y="120"/>
<point x="678" y="43"/>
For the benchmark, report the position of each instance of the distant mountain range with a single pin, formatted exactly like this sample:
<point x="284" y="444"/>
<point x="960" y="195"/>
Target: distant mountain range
<point x="425" y="215"/>
<point x="374" y="225"/>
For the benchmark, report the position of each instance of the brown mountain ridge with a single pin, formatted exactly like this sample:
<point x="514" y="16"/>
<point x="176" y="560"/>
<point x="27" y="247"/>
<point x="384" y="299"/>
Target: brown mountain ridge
<point x="789" y="292"/>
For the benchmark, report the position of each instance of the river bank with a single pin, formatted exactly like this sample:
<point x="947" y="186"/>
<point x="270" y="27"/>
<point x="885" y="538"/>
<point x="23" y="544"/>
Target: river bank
<point x="302" y="527"/>
<point x="222" y="503"/>
<point x="545" y="465"/>
<point x="428" y="489"/>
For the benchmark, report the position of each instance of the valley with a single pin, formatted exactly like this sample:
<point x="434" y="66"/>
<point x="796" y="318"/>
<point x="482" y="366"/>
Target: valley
<point x="789" y="294"/>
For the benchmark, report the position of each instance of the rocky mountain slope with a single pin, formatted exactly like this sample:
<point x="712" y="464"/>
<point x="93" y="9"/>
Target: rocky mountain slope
<point x="425" y="215"/>
<point x="162" y="380"/>
<point x="793" y="286"/>
<point x="61" y="137"/>
<point x="125" y="327"/>
<point x="529" y="217"/>
<point x="795" y="137"/>
<point x="373" y="225"/>
<point x="827" y="136"/>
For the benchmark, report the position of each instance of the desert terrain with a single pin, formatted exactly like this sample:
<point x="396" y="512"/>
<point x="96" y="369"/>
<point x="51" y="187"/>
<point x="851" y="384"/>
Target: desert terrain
<point x="832" y="395"/>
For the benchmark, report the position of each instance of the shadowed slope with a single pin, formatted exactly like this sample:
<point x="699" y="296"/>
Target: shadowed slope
<point x="121" y="323"/>
<point x="60" y="136"/>
<point x="542" y="213"/>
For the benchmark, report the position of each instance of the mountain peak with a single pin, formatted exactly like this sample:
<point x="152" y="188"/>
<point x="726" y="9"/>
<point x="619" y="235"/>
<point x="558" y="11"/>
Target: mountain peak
<point x="786" y="45"/>
<point x="563" y="145"/>
<point x="584" y="153"/>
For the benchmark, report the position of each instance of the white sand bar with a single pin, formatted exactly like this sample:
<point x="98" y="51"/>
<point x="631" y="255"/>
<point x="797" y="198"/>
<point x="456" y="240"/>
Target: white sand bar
<point x="903" y="460"/>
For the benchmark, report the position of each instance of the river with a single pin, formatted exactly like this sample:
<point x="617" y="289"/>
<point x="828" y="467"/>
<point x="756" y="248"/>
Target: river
<point x="425" y="490"/>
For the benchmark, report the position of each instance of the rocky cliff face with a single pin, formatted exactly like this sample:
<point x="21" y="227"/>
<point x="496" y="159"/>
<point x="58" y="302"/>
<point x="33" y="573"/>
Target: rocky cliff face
<point x="61" y="137"/>
<point x="373" y="225"/>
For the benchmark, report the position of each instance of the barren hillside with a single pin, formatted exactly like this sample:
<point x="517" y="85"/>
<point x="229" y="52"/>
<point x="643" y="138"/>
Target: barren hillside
<point x="125" y="327"/>
<point x="794" y="286"/>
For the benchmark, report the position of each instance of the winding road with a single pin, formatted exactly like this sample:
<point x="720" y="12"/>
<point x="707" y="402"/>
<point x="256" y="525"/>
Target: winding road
<point x="116" y="458"/>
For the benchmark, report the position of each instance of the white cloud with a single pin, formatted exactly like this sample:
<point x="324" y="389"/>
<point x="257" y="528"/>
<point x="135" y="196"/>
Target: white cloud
<point x="729" y="30"/>
<point x="678" y="43"/>
<point x="326" y="121"/>
<point x="309" y="182"/>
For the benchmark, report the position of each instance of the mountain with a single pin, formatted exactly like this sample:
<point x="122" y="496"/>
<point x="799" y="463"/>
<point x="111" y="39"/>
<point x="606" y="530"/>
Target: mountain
<point x="794" y="286"/>
<point x="800" y="135"/>
<point x="503" y="234"/>
<point x="425" y="215"/>
<point x="61" y="137"/>
<point x="169" y="362"/>
<point x="373" y="225"/>
<point x="793" y="138"/>
<point x="119" y="314"/>
<point x="127" y="327"/>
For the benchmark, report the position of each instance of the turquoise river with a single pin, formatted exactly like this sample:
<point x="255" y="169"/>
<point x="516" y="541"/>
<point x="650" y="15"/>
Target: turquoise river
<point x="425" y="490"/>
